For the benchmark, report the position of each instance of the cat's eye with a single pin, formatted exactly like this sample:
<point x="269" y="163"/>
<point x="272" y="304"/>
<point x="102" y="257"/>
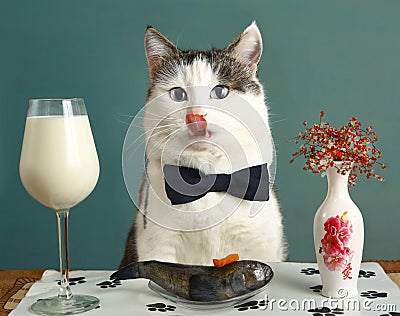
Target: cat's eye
<point x="219" y="92"/>
<point x="178" y="94"/>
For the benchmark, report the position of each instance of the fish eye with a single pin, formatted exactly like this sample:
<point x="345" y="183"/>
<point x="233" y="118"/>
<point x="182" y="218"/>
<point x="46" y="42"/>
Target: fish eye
<point x="178" y="94"/>
<point x="219" y="92"/>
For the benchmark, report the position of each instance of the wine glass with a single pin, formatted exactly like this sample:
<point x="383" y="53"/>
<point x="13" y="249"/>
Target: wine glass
<point x="59" y="168"/>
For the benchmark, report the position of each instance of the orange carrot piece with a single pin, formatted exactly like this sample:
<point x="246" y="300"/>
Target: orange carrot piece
<point x="227" y="260"/>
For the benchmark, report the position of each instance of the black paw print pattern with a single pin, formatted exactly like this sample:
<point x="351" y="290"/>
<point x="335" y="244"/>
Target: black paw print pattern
<point x="326" y="311"/>
<point x="366" y="274"/>
<point x="309" y="271"/>
<point x="391" y="314"/>
<point x="373" y="294"/>
<point x="316" y="288"/>
<point x="74" y="281"/>
<point x="251" y="305"/>
<point x="160" y="307"/>
<point x="109" y="284"/>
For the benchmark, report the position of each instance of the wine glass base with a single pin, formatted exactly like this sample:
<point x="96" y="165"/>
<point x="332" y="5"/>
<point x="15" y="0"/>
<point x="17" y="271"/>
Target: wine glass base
<point x="56" y="306"/>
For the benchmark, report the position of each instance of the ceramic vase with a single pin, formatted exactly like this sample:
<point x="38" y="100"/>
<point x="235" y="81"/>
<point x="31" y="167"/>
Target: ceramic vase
<point x="338" y="238"/>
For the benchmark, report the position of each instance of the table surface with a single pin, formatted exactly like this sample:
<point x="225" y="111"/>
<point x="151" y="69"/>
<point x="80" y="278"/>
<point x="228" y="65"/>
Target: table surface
<point x="14" y="284"/>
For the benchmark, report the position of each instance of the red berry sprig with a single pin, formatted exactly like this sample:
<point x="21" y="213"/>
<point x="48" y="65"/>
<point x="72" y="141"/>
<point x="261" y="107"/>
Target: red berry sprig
<point x="322" y="145"/>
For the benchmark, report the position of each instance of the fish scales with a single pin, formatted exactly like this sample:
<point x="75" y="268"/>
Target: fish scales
<point x="201" y="283"/>
<point x="171" y="277"/>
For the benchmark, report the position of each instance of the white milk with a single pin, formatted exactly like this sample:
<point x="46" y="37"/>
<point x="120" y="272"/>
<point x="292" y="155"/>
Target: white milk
<point x="59" y="165"/>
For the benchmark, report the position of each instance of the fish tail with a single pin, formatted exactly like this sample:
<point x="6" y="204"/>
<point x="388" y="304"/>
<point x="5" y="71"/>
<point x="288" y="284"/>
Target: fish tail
<point x="131" y="271"/>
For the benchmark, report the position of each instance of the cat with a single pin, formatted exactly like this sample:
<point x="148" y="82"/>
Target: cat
<point x="181" y="82"/>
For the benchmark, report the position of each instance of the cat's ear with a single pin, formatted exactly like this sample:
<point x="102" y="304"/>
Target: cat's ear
<point x="157" y="47"/>
<point x="248" y="46"/>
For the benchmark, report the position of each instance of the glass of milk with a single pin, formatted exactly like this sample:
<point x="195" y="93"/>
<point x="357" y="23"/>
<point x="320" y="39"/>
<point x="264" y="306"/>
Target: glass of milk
<point x="59" y="168"/>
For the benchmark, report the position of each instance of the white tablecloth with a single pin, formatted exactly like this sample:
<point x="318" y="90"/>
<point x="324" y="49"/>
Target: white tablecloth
<point x="295" y="288"/>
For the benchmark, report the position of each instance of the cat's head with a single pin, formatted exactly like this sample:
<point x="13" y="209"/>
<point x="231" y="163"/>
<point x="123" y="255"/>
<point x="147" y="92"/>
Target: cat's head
<point x="203" y="106"/>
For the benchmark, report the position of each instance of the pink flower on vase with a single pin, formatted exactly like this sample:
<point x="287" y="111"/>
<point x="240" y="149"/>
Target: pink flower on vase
<point x="335" y="262"/>
<point x="348" y="253"/>
<point x="339" y="226"/>
<point x="334" y="248"/>
<point x="332" y="225"/>
<point x="339" y="260"/>
<point x="344" y="233"/>
<point x="331" y="244"/>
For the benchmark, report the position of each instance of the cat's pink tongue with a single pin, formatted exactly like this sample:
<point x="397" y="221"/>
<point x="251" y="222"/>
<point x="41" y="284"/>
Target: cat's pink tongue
<point x="197" y="124"/>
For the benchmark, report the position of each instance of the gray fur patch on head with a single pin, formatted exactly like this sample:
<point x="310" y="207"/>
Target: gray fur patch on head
<point x="230" y="71"/>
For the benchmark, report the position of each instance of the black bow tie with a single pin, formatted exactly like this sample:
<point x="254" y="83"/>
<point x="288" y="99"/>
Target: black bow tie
<point x="184" y="185"/>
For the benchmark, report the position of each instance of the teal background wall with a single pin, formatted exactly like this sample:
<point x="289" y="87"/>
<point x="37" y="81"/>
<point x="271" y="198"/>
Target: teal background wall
<point x="340" y="56"/>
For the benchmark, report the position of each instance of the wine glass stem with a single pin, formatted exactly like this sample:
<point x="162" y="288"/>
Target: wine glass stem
<point x="62" y="221"/>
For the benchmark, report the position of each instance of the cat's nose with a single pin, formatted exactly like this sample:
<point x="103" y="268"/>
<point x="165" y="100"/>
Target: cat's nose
<point x="196" y="109"/>
<point x="197" y="124"/>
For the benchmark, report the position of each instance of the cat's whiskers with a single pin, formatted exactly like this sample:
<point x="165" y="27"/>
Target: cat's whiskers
<point x="127" y="115"/>
<point x="159" y="118"/>
<point x="278" y="121"/>
<point x="140" y="125"/>
<point x="163" y="119"/>
<point x="143" y="140"/>
<point x="156" y="145"/>
<point x="153" y="132"/>
<point x="151" y="114"/>
<point x="120" y="121"/>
